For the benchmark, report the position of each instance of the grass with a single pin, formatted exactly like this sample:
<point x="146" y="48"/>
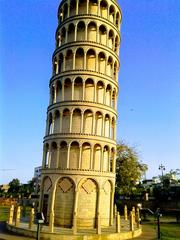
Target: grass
<point x="170" y="231"/>
<point x="4" y="213"/>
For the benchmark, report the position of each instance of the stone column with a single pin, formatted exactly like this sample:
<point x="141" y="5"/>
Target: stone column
<point x="68" y="13"/>
<point x="82" y="122"/>
<point x="70" y="128"/>
<point x="11" y="214"/>
<point x="77" y="4"/>
<point x="94" y="124"/>
<point x="57" y="159"/>
<point x="31" y="220"/>
<point x="61" y="114"/>
<point x="75" y="212"/>
<point x="68" y="155"/>
<point x="63" y="91"/>
<point x="85" y="62"/>
<point x="83" y="90"/>
<point x="112" y="205"/>
<point x="80" y="156"/>
<point x="74" y="61"/>
<point x="51" y="219"/>
<point x="18" y="215"/>
<point x="72" y="95"/>
<point x="98" y="213"/>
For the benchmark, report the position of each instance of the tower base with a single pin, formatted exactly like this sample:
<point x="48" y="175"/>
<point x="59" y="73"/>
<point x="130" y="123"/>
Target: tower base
<point x="67" y="234"/>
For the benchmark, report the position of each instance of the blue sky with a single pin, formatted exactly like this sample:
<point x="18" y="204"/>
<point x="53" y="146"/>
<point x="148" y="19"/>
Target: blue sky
<point x="149" y="78"/>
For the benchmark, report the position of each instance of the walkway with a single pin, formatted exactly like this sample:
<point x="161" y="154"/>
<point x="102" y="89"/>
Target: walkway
<point x="149" y="232"/>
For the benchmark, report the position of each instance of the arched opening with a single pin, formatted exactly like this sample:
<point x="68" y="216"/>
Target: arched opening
<point x="113" y="129"/>
<point x="63" y="155"/>
<point x="99" y="123"/>
<point x="72" y="8"/>
<point x="58" y="40"/>
<point x="102" y="34"/>
<point x="111" y="39"/>
<point x="117" y="19"/>
<point x="79" y="59"/>
<point x="65" y="11"/>
<point x="86" y="156"/>
<point x="74" y="156"/>
<point x="69" y="60"/>
<point x="103" y="9"/>
<point x="116" y="44"/>
<point x="109" y="69"/>
<point x="112" y="159"/>
<point x="108" y="95"/>
<point x="76" y="121"/>
<point x="114" y="99"/>
<point x="60" y="15"/>
<point x="93" y="7"/>
<point x="53" y="100"/>
<point x="59" y="91"/>
<point x="115" y="71"/>
<point x="111" y="13"/>
<point x="78" y="89"/>
<point x="71" y="32"/>
<point x="91" y="60"/>
<point x="53" y="155"/>
<point x="82" y="7"/>
<point x="97" y="157"/>
<point x="63" y="35"/>
<point x="89" y="90"/>
<point x="50" y="128"/>
<point x="47" y="185"/>
<point x="64" y="203"/>
<point x="57" y="122"/>
<point x="61" y="63"/>
<point x="100" y="92"/>
<point x="88" y="122"/>
<point x="106" y="159"/>
<point x="67" y="90"/>
<point x="55" y="66"/>
<point x="92" y="32"/>
<point x="66" y="121"/>
<point x="102" y="62"/>
<point x="80" y="31"/>
<point x="107" y="126"/>
<point x="47" y="156"/>
<point x="88" y="195"/>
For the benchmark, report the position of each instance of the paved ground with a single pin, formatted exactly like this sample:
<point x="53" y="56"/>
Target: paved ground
<point x="5" y="235"/>
<point x="149" y="233"/>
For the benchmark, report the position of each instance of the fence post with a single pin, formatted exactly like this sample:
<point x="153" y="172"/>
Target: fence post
<point x="118" y="223"/>
<point x="125" y="213"/>
<point x="11" y="214"/>
<point x="31" y="220"/>
<point x="137" y="218"/>
<point x="18" y="215"/>
<point x="131" y="221"/>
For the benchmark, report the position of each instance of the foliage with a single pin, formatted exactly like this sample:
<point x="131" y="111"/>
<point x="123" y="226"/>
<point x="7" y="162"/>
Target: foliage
<point x="14" y="187"/>
<point x="23" y="190"/>
<point x="129" y="169"/>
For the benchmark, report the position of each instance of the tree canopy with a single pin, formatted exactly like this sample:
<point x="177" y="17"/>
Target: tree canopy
<point x="129" y="169"/>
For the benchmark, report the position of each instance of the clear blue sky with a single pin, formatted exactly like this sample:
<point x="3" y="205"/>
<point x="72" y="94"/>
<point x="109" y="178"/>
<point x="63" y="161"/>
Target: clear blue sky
<point x="149" y="98"/>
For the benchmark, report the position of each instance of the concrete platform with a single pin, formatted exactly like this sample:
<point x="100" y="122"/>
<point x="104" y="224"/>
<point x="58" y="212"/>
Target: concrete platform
<point x="82" y="234"/>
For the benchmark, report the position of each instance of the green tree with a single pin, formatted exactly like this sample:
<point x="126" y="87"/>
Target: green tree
<point x="14" y="187"/>
<point x="129" y="169"/>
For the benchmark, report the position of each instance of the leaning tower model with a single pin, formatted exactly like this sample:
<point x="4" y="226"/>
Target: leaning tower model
<point x="79" y="151"/>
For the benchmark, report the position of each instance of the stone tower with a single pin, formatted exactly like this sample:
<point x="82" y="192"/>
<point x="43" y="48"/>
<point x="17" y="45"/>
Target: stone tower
<point x="79" y="151"/>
